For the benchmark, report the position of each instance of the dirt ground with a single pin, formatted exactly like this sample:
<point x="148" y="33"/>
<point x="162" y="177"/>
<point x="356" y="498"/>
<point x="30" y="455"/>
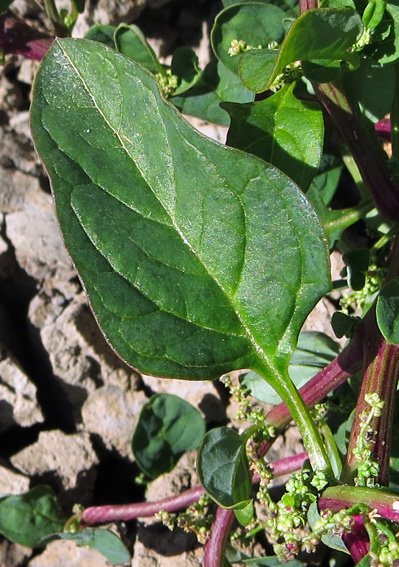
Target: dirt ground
<point x="68" y="405"/>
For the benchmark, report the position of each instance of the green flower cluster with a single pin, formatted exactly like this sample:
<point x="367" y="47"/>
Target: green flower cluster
<point x="368" y="468"/>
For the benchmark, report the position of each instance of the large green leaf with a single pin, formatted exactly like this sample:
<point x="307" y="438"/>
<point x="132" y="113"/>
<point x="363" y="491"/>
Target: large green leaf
<point x="197" y="258"/>
<point x="27" y="518"/>
<point x="168" y="427"/>
<point x="282" y="130"/>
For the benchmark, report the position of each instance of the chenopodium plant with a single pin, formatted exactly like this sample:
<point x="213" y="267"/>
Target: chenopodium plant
<point x="200" y="258"/>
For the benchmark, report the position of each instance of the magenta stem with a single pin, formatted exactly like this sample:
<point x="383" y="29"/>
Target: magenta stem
<point x="216" y="545"/>
<point x="125" y="512"/>
<point x="18" y="37"/>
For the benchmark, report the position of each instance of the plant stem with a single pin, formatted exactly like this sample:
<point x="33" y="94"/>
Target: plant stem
<point x="381" y="378"/>
<point x="347" y="363"/>
<point x="300" y="413"/>
<point x="126" y="512"/>
<point x="305" y="5"/>
<point x="365" y="148"/>
<point x="216" y="546"/>
<point x="340" y="497"/>
<point x="19" y="38"/>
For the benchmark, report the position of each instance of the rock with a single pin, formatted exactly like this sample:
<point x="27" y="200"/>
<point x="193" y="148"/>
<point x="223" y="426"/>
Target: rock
<point x="80" y="357"/>
<point x="63" y="553"/>
<point x="13" y="554"/>
<point x="156" y="546"/>
<point x="12" y="483"/>
<point x="66" y="456"/>
<point x="18" y="403"/>
<point x="112" y="414"/>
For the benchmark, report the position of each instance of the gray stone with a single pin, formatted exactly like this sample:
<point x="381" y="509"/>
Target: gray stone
<point x="66" y="456"/>
<point x="12" y="483"/>
<point x="113" y="414"/>
<point x="63" y="553"/>
<point x="18" y="404"/>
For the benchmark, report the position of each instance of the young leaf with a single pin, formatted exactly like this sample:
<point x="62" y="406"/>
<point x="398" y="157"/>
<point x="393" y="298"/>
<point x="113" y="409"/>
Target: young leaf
<point x="217" y="84"/>
<point x="322" y="33"/>
<point x="387" y="311"/>
<point x="103" y="34"/>
<point x="197" y="258"/>
<point x="130" y="41"/>
<point x="223" y="468"/>
<point x="255" y="67"/>
<point x="282" y="130"/>
<point x="168" y="427"/>
<point x="185" y="67"/>
<point x="104" y="541"/>
<point x="27" y="518"/>
<point x="255" y="23"/>
<point x="271" y="561"/>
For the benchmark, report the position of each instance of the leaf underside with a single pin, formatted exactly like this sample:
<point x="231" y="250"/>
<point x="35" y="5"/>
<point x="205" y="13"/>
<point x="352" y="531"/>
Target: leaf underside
<point x="198" y="259"/>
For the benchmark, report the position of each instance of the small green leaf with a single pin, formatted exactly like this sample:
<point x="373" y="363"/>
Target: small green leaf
<point x="168" y="427"/>
<point x="245" y="513"/>
<point x="183" y="244"/>
<point x="385" y="46"/>
<point x="321" y="33"/>
<point x="29" y="517"/>
<point x="103" y="34"/>
<point x="357" y="265"/>
<point x="185" y="67"/>
<point x="255" y="68"/>
<point x="217" y="84"/>
<point x="106" y="542"/>
<point x="282" y="130"/>
<point x="255" y="23"/>
<point x="387" y="311"/>
<point x="344" y="325"/>
<point x="223" y="468"/>
<point x="130" y="41"/>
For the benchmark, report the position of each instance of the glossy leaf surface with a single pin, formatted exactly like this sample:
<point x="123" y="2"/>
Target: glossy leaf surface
<point x="27" y="518"/>
<point x="283" y="131"/>
<point x="168" y="427"/>
<point x="182" y="244"/>
<point x="223" y="468"/>
<point x="104" y="541"/>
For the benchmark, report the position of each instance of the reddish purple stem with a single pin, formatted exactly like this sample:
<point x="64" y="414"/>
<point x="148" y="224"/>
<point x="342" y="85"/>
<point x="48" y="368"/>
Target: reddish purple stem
<point x="357" y="541"/>
<point x="18" y="37"/>
<point x="125" y="512"/>
<point x="383" y="129"/>
<point x="216" y="545"/>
